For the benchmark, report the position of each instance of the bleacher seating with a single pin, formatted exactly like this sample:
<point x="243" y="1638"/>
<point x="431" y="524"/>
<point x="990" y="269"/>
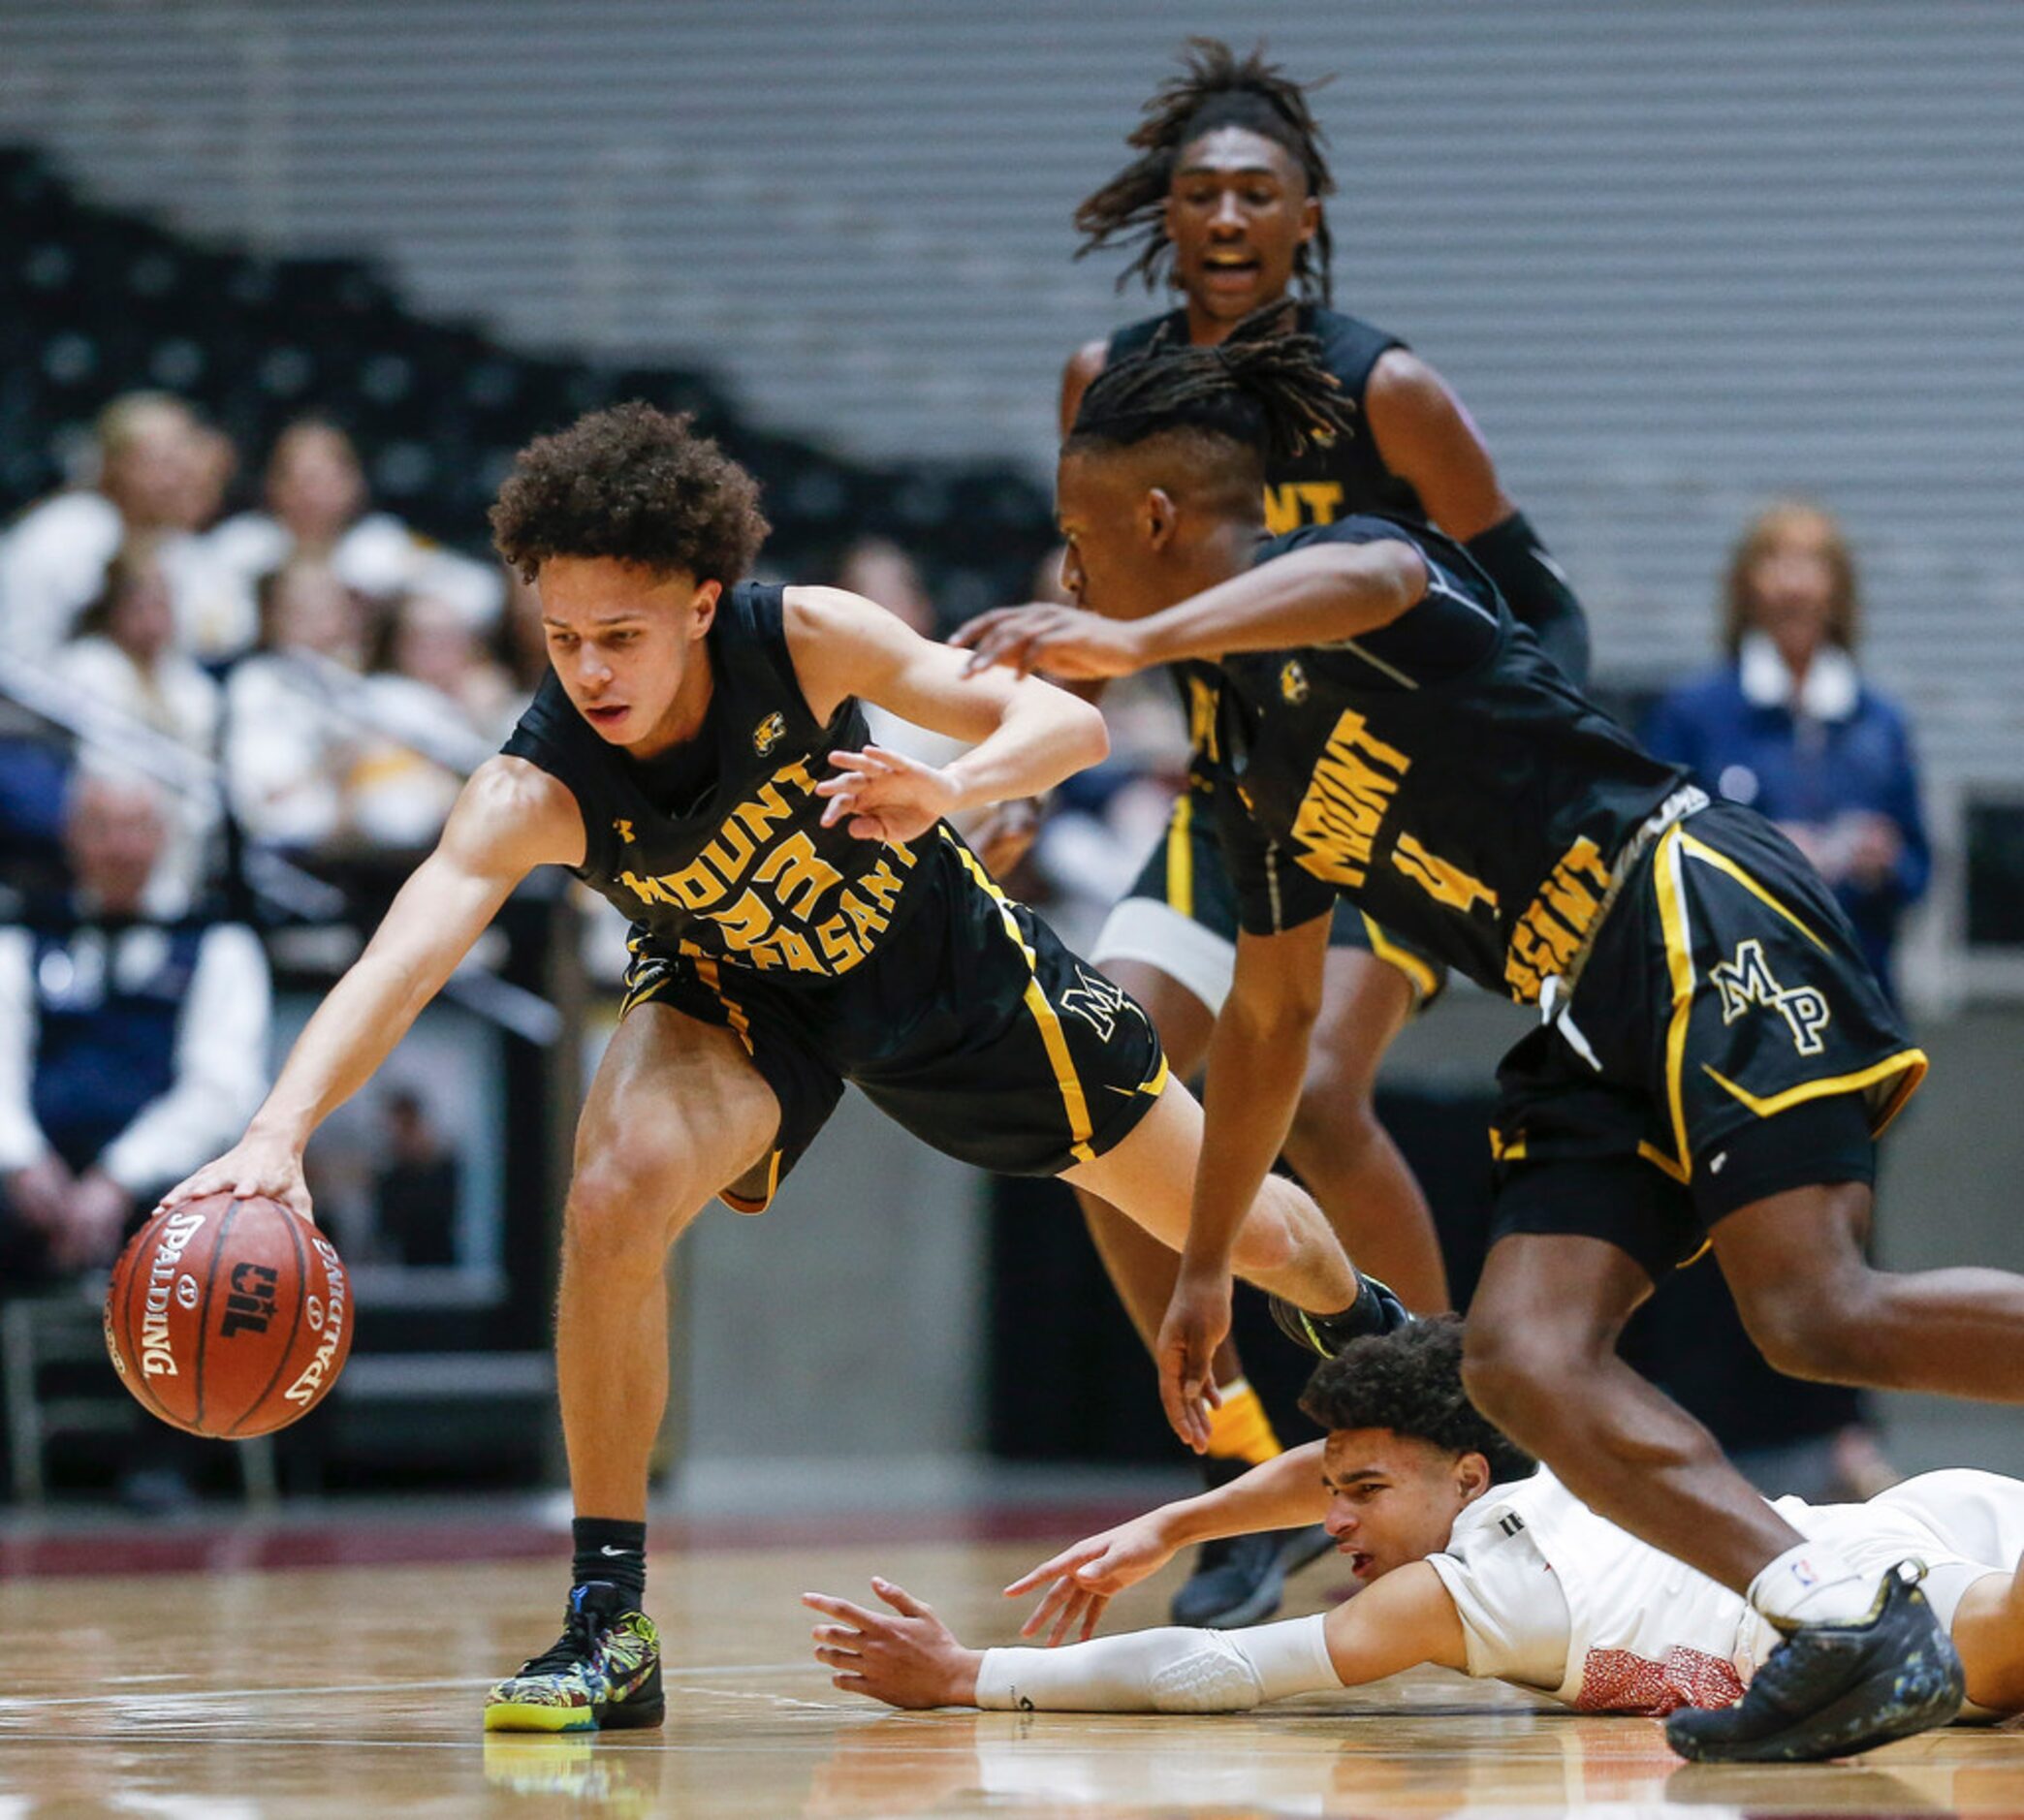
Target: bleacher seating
<point x="105" y="301"/>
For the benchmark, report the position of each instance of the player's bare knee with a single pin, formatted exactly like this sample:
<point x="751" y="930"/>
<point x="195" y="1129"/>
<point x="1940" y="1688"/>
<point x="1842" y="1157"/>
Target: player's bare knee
<point x="618" y="1214"/>
<point x="1517" y="1378"/>
<point x="1270" y="1237"/>
<point x="1335" y="1119"/>
<point x="1809" y="1331"/>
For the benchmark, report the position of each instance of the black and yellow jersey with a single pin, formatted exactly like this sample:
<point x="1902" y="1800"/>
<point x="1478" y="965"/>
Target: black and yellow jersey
<point x="1332" y="478"/>
<point x="717" y="850"/>
<point x="1440" y="771"/>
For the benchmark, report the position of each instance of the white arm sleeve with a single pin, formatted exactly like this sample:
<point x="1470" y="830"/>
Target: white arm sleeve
<point x="1162" y="1671"/>
<point x="221" y="1068"/>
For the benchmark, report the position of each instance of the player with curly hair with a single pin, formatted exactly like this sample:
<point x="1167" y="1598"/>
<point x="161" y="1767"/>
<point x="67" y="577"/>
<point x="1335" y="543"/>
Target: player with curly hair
<point x="1225" y="202"/>
<point x="1468" y="1559"/>
<point x="802" y="916"/>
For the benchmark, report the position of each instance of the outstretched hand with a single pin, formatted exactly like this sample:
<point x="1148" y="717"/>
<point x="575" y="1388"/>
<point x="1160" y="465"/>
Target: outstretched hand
<point x="255" y="1165"/>
<point x="1088" y="1576"/>
<point x="1198" y="1322"/>
<point x="909" y="1658"/>
<point x="1061" y="641"/>
<point x="885" y="796"/>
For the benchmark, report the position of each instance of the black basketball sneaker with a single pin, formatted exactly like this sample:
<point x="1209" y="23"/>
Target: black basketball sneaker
<point x="603" y="1672"/>
<point x="1831" y="1691"/>
<point x="1375" y="1311"/>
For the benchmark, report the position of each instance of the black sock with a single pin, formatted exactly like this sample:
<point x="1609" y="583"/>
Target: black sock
<point x="610" y="1551"/>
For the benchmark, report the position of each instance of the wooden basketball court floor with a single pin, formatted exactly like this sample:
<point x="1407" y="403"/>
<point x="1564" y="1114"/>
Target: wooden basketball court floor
<point x="239" y="1693"/>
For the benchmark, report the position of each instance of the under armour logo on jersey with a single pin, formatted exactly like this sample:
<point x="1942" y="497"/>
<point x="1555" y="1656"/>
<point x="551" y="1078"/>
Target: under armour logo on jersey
<point x="1096" y="1002"/>
<point x="769" y="733"/>
<point x="1747" y="980"/>
<point x="625" y="832"/>
<point x="1293" y="682"/>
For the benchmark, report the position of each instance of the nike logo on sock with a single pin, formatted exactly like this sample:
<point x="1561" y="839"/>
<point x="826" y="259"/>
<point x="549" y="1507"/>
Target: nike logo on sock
<point x="619" y="1554"/>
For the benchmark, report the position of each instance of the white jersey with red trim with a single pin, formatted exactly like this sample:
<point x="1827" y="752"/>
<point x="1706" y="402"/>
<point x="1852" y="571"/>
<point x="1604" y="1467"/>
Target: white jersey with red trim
<point x="1556" y="1598"/>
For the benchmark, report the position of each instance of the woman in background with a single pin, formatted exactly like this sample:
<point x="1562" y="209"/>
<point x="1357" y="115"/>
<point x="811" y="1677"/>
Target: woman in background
<point x="1788" y="726"/>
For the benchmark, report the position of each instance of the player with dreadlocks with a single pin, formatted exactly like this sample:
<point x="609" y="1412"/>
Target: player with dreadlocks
<point x="1715" y="1058"/>
<point x="1224" y="202"/>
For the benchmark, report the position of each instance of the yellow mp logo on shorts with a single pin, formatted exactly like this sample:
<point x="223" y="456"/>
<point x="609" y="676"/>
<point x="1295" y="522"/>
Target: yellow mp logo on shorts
<point x="1747" y="979"/>
<point x="768" y="733"/>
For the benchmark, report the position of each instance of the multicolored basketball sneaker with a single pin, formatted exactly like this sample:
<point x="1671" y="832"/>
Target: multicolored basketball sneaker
<point x="603" y="1672"/>
<point x="1375" y="1311"/>
<point x="1832" y="1690"/>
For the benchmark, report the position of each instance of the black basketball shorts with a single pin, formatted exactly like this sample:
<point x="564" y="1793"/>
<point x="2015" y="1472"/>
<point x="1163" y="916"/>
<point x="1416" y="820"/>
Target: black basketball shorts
<point x="1726" y="1041"/>
<point x="1179" y="915"/>
<point x="970" y="1025"/>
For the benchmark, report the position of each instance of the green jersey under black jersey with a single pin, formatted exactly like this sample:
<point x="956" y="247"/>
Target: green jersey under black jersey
<point x="1440" y="771"/>
<point x="716" y="850"/>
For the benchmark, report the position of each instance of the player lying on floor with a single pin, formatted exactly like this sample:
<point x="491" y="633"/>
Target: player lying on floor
<point x="1470" y="1558"/>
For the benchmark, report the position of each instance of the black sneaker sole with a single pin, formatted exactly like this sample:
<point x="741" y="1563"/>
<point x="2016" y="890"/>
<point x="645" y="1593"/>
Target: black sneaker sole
<point x="1843" y="1728"/>
<point x="1926" y="1691"/>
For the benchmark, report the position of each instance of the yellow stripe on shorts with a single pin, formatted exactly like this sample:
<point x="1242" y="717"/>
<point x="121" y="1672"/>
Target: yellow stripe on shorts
<point x="1051" y="1036"/>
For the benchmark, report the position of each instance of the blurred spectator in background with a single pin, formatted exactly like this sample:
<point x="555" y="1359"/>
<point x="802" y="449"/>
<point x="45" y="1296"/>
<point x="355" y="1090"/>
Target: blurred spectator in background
<point x="428" y="641"/>
<point x="316" y="511"/>
<point x="125" y="657"/>
<point x="416" y="1185"/>
<point x="1788" y="726"/>
<point x="133" y="1039"/>
<point x="162" y="475"/>
<point x="521" y="640"/>
<point x="319" y="757"/>
<point x="286" y="758"/>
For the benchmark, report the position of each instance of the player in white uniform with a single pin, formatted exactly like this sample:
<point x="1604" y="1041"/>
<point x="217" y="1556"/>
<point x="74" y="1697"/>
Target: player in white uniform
<point x="1470" y="1559"/>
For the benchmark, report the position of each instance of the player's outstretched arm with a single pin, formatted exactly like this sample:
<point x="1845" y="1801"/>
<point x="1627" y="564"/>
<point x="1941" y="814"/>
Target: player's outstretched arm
<point x="1257" y="1060"/>
<point x="510" y="818"/>
<point x="1285" y="1492"/>
<point x="1025" y="735"/>
<point x="912" y="1659"/>
<point x="1317" y="595"/>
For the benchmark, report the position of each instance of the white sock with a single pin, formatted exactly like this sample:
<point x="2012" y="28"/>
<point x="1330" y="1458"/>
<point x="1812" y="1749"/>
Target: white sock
<point x="1812" y="1584"/>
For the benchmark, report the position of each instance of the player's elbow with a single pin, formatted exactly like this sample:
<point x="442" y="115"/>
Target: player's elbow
<point x="1083" y="738"/>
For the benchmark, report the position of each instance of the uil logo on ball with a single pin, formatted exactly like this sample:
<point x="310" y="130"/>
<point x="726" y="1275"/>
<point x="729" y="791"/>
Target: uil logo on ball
<point x="250" y="1305"/>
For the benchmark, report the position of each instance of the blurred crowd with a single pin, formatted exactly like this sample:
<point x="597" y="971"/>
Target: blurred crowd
<point x="335" y="667"/>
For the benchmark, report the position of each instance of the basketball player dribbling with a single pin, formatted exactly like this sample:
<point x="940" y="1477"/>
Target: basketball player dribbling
<point x="1225" y="202"/>
<point x="802" y="916"/>
<point x="1715" y="1060"/>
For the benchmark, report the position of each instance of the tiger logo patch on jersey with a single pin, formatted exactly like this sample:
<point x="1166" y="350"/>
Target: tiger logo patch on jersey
<point x="769" y="733"/>
<point x="1293" y="682"/>
<point x="623" y="829"/>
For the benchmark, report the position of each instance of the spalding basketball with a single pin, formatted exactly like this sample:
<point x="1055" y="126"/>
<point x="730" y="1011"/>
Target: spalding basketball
<point x="229" y="1317"/>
